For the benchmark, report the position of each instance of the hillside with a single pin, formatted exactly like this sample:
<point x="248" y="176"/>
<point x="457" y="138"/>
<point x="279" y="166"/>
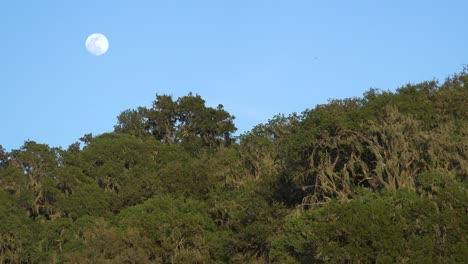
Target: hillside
<point x="380" y="178"/>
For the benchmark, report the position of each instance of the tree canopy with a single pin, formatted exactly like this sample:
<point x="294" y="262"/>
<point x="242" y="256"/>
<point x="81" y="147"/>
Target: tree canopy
<point x="380" y="178"/>
<point x="186" y="119"/>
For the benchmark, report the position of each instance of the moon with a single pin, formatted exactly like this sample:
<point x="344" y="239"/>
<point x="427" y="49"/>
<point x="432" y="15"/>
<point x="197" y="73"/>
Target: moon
<point x="97" y="44"/>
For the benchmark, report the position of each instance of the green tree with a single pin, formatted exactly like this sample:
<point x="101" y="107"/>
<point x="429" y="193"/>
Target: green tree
<point x="187" y="119"/>
<point x="176" y="227"/>
<point x="38" y="163"/>
<point x="385" y="227"/>
<point x="16" y="231"/>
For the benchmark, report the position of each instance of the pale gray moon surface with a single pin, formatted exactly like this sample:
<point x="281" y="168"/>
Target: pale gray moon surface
<point x="97" y="44"/>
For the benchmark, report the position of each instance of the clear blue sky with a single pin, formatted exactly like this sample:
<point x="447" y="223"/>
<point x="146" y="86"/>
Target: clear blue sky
<point x="257" y="58"/>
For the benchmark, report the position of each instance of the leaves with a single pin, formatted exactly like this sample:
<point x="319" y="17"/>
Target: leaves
<point x="382" y="178"/>
<point x="184" y="120"/>
<point x="396" y="226"/>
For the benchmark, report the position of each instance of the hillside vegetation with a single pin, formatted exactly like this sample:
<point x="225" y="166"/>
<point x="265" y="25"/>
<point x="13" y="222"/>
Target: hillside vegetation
<point x="377" y="179"/>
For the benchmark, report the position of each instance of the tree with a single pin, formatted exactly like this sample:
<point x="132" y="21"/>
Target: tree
<point x="3" y="155"/>
<point x="390" y="227"/>
<point x="175" y="226"/>
<point x="185" y="120"/>
<point x="38" y="163"/>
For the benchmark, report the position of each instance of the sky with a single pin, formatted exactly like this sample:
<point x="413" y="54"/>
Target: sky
<point x="256" y="57"/>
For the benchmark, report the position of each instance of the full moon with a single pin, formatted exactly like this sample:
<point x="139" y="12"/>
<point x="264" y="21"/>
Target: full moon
<point x="97" y="44"/>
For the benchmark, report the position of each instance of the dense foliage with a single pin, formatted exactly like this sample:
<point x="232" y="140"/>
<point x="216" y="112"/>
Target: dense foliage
<point x="377" y="179"/>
